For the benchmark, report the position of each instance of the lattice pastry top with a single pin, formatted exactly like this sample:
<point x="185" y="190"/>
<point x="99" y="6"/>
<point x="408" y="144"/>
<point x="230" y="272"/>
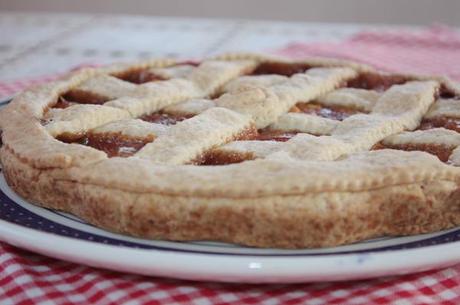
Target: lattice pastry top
<point x="243" y="148"/>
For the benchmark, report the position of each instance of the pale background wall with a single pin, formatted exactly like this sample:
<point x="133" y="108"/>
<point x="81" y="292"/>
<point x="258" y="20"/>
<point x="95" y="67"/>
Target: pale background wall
<point x="363" y="11"/>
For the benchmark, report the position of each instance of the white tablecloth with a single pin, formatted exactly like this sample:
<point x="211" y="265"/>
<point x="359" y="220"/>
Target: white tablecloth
<point x="37" y="44"/>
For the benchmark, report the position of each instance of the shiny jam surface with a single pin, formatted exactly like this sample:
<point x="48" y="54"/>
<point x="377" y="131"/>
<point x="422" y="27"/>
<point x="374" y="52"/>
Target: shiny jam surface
<point x="275" y="135"/>
<point x="216" y="158"/>
<point x="139" y="76"/>
<point x="193" y="63"/>
<point x="377" y="82"/>
<point x="330" y="112"/>
<point x="62" y="103"/>
<point x="115" y="145"/>
<point x="448" y="123"/>
<point x="248" y="134"/>
<point x="72" y="138"/>
<point x="285" y="69"/>
<point x="441" y="151"/>
<point x="164" y="118"/>
<point x="447" y="93"/>
<point x="81" y="97"/>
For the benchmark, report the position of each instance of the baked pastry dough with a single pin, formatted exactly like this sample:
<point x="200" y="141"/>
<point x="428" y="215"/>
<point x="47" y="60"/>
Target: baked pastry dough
<point x="250" y="149"/>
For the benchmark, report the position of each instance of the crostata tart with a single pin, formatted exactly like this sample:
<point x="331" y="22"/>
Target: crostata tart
<point x="241" y="148"/>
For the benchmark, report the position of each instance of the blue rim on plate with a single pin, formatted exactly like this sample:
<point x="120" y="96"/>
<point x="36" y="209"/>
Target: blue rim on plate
<point x="15" y="210"/>
<point x="5" y="101"/>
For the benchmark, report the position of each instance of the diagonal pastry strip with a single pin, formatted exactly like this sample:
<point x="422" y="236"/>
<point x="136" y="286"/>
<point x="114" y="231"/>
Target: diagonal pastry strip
<point x="203" y="81"/>
<point x="360" y="132"/>
<point x="361" y="99"/>
<point x="77" y="119"/>
<point x="107" y="87"/>
<point x="187" y="140"/>
<point x="444" y="107"/>
<point x="140" y="99"/>
<point x="267" y="104"/>
<point x="303" y="122"/>
<point x="132" y="128"/>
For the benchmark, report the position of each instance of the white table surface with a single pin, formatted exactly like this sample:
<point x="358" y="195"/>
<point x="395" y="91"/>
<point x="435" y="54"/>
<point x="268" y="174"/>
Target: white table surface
<point x="36" y="44"/>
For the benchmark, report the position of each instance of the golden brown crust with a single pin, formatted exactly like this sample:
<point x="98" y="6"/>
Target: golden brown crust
<point x="308" y="192"/>
<point x="291" y="221"/>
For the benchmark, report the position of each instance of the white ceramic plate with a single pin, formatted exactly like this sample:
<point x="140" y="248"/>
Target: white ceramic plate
<point x="66" y="237"/>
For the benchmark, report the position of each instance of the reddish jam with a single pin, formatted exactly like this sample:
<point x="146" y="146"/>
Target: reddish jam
<point x="448" y="123"/>
<point x="275" y="135"/>
<point x="193" y="63"/>
<point x="165" y="118"/>
<point x="285" y="69"/>
<point x="378" y="82"/>
<point x="441" y="151"/>
<point x="219" y="158"/>
<point x="62" y="103"/>
<point x="139" y="76"/>
<point x="76" y="96"/>
<point x="446" y="93"/>
<point x="73" y="138"/>
<point x="215" y="157"/>
<point x="116" y="145"/>
<point x="338" y="113"/>
<point x="248" y="134"/>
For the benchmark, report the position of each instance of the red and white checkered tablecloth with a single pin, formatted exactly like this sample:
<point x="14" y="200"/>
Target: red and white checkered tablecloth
<point x="27" y="278"/>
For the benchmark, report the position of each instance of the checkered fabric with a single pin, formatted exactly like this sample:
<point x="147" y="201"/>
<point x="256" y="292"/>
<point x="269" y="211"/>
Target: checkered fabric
<point x="27" y="278"/>
<point x="435" y="51"/>
<point x="8" y="89"/>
